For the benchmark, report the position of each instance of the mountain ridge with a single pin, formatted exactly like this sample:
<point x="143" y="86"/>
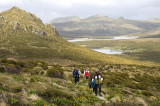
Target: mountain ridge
<point x="62" y="19"/>
<point x="24" y="36"/>
<point x="102" y="26"/>
<point x="154" y="33"/>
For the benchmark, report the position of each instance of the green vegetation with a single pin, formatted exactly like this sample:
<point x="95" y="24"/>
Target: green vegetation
<point x="31" y="76"/>
<point x="147" y="93"/>
<point x="24" y="36"/>
<point x="2" y="70"/>
<point x="135" y="49"/>
<point x="56" y="72"/>
<point x="38" y="103"/>
<point x="13" y="101"/>
<point x="154" y="33"/>
<point x="123" y="86"/>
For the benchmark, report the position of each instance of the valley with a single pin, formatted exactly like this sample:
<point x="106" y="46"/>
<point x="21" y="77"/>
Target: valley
<point x="36" y="63"/>
<point x="138" y="49"/>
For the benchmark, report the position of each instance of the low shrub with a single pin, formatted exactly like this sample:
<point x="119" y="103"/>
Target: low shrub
<point x="137" y="92"/>
<point x="146" y="93"/>
<point x="109" y="83"/>
<point x="110" y="97"/>
<point x="9" y="61"/>
<point x="2" y="70"/>
<point x="19" y="78"/>
<point x="36" y="70"/>
<point x="13" y="61"/>
<point x="42" y="72"/>
<point x="62" y="101"/>
<point x="55" y="72"/>
<point x="12" y="100"/>
<point x="20" y="63"/>
<point x="38" y="103"/>
<point x="32" y="92"/>
<point x="122" y="103"/>
<point x="13" y="69"/>
<point x="156" y="103"/>
<point x="35" y="79"/>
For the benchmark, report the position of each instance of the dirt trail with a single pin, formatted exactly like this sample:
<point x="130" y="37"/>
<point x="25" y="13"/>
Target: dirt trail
<point x="102" y="98"/>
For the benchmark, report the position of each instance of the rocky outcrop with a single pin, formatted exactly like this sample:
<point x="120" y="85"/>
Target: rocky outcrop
<point x="2" y="17"/>
<point x="25" y="29"/>
<point x="37" y="31"/>
<point x="16" y="26"/>
<point x="40" y="33"/>
<point x="13" y="70"/>
<point x="34" y="18"/>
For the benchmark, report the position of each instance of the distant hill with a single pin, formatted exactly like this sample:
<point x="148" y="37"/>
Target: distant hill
<point x="64" y="19"/>
<point x="155" y="20"/>
<point x="24" y="36"/>
<point x="154" y="33"/>
<point x="102" y="26"/>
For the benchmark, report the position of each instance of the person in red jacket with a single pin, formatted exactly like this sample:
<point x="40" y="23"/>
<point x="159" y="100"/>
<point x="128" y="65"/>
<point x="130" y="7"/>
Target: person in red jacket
<point x="86" y="73"/>
<point x="119" y="67"/>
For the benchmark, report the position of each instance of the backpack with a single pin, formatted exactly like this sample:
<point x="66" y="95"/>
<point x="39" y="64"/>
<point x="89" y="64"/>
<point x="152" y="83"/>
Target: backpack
<point x="92" y="84"/>
<point x="75" y="72"/>
<point x="89" y="84"/>
<point x="86" y="73"/>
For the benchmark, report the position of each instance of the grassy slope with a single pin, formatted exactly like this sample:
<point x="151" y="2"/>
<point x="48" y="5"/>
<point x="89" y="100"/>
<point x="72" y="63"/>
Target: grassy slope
<point x="131" y="85"/>
<point x="140" y="49"/>
<point x="19" y="39"/>
<point x="155" y="33"/>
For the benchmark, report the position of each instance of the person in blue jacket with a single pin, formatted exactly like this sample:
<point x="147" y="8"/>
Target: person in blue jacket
<point x="76" y="75"/>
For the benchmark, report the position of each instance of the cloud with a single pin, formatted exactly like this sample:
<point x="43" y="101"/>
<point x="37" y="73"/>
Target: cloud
<point x="49" y="9"/>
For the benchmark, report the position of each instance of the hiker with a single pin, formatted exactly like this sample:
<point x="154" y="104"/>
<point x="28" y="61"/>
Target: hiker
<point x="92" y="84"/>
<point x="79" y="72"/>
<point x="97" y="76"/>
<point x="119" y="67"/>
<point x="76" y="75"/>
<point x="86" y="73"/>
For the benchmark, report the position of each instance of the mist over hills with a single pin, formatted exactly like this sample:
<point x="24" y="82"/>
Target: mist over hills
<point x="102" y="26"/>
<point x="24" y="36"/>
<point x="64" y="19"/>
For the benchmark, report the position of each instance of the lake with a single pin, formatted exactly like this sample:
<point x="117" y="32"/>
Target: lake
<point x="114" y="38"/>
<point x="108" y="51"/>
<point x="124" y="37"/>
<point x="105" y="51"/>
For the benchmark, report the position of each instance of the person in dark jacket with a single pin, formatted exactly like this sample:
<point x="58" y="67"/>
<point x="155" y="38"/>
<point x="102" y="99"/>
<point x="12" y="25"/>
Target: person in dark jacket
<point x="97" y="76"/>
<point x="76" y="75"/>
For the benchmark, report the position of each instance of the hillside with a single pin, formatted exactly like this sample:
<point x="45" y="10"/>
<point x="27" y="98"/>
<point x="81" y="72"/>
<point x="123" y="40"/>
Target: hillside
<point x="24" y="36"/>
<point x="155" y="33"/>
<point x="39" y="84"/>
<point x="36" y="66"/>
<point x="144" y="49"/>
<point x="102" y="27"/>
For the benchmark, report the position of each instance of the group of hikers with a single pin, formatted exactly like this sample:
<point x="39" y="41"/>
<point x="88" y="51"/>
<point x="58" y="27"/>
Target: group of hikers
<point x="95" y="81"/>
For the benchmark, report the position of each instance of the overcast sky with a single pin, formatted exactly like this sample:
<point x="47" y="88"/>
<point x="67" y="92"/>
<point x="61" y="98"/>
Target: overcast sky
<point x="50" y="9"/>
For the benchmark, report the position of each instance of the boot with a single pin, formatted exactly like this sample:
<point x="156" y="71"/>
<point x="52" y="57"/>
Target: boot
<point x="100" y="94"/>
